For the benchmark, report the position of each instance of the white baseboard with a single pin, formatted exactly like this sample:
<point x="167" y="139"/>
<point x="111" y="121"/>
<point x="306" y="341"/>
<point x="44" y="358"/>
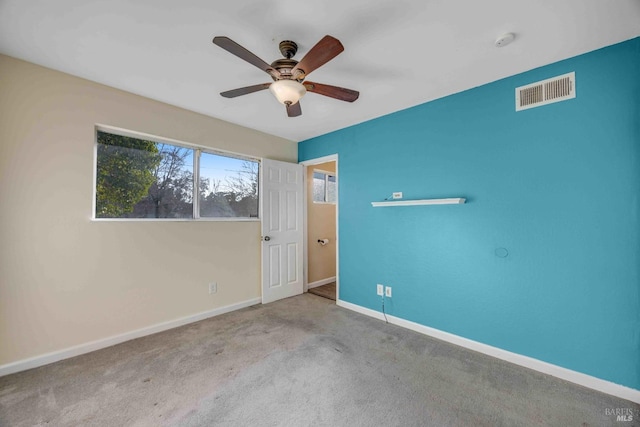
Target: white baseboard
<point x="321" y="282"/>
<point x="45" y="359"/>
<point x="575" y="377"/>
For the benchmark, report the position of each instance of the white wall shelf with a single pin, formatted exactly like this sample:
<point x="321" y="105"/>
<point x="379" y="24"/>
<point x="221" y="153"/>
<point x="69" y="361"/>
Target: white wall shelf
<point x="454" y="201"/>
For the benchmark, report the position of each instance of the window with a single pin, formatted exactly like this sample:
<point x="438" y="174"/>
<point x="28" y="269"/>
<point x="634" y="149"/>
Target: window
<point x="145" y="178"/>
<point x="228" y="187"/>
<point x="324" y="187"/>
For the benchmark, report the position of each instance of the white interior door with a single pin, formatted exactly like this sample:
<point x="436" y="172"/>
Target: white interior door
<point x="282" y="232"/>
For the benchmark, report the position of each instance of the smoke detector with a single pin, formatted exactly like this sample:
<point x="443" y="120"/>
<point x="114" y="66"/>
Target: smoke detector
<point x="505" y="39"/>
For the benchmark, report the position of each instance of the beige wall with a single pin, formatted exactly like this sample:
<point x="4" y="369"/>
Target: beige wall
<point x="66" y="280"/>
<point x="321" y="223"/>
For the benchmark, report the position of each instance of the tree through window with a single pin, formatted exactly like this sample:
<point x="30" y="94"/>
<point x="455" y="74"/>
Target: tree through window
<point x="141" y="178"/>
<point x="228" y="187"/>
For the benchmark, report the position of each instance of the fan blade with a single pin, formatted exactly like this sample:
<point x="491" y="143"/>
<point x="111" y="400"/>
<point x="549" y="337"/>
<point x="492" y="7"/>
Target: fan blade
<point x="245" y="90"/>
<point x="332" y="91"/>
<point x="232" y="47"/>
<point x="294" y="110"/>
<point x="324" y="51"/>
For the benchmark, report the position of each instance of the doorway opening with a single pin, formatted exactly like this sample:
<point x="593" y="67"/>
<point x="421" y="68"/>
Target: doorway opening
<point x="321" y="227"/>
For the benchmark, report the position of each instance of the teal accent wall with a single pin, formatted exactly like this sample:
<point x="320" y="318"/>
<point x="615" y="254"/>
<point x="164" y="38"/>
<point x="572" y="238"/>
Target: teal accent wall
<point x="556" y="186"/>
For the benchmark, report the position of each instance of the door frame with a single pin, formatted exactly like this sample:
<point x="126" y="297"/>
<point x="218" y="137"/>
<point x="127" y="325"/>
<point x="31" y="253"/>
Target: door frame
<point x="305" y="241"/>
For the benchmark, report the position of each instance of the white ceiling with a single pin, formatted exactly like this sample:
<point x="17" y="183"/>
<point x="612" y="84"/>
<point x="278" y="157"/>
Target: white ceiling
<point x="398" y="53"/>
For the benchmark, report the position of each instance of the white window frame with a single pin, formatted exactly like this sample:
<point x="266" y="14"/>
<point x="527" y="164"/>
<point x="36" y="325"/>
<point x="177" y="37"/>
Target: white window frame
<point x="326" y="187"/>
<point x="197" y="150"/>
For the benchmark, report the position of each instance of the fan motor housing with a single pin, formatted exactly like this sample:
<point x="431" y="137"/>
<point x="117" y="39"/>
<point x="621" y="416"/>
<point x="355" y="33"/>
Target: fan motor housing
<point x="284" y="66"/>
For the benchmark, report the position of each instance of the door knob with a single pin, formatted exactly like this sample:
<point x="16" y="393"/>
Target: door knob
<point x="266" y="238"/>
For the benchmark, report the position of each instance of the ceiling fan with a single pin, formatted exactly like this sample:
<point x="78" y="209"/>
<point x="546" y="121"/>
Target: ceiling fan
<point x="289" y="75"/>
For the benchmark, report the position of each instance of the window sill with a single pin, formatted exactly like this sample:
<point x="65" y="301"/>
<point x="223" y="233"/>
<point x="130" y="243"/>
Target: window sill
<point x="175" y="219"/>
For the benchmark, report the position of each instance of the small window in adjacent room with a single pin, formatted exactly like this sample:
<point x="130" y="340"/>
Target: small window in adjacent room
<point x="324" y="187"/>
<point x="144" y="178"/>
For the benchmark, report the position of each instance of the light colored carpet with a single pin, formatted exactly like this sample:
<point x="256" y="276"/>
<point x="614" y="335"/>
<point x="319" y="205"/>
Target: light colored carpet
<point x="326" y="291"/>
<point x="297" y="362"/>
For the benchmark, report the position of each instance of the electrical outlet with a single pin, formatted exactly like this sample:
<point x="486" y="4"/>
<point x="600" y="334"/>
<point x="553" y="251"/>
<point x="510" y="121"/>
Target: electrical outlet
<point x="387" y="291"/>
<point x="397" y="195"/>
<point x="213" y="287"/>
<point x="380" y="289"/>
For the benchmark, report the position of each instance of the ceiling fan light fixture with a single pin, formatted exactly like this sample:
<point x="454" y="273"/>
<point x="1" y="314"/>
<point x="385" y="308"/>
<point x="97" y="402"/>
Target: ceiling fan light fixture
<point x="287" y="91"/>
<point x="288" y="73"/>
